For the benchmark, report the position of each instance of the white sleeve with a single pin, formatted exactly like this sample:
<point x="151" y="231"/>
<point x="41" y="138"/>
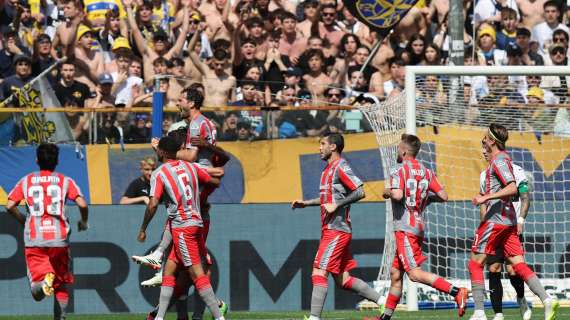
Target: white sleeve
<point x="520" y="176"/>
<point x="482" y="181"/>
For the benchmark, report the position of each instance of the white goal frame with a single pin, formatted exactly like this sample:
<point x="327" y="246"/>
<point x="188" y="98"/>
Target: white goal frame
<point x="410" y="100"/>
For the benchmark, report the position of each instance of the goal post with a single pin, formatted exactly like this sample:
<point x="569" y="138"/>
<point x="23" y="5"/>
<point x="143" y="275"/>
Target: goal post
<point x="532" y="102"/>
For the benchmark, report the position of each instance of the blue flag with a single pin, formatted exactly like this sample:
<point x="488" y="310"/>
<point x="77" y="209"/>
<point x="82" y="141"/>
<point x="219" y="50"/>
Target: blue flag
<point x="380" y="15"/>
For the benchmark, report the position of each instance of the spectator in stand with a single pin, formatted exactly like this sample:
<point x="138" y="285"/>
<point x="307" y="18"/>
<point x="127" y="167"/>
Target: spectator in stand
<point x="558" y="84"/>
<point x="542" y="32"/>
<point x="560" y="37"/>
<point x="508" y="27"/>
<point x="104" y="97"/>
<point x="229" y="126"/>
<point x="432" y="55"/>
<point x="311" y="14"/>
<point x="415" y="50"/>
<point x="123" y="85"/>
<point x="11" y="47"/>
<point x="78" y="121"/>
<point x="292" y="44"/>
<point x="245" y="58"/>
<point x="396" y="84"/>
<point x="489" y="11"/>
<point x="138" y="191"/>
<point x="523" y="41"/>
<point x="316" y="80"/>
<point x="251" y="96"/>
<point x="219" y="84"/>
<point x="42" y="58"/>
<point x="8" y="96"/>
<point x="114" y="29"/>
<point x="244" y="131"/>
<point x="67" y="88"/>
<point x="140" y="132"/>
<point x="487" y="53"/>
<point x="86" y="52"/>
<point x="160" y="43"/>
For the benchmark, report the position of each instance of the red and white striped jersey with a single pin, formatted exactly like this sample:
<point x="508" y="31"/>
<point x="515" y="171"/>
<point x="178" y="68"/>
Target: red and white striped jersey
<point x="45" y="193"/>
<point x="415" y="180"/>
<point x="179" y="181"/>
<point x="498" y="175"/>
<point x="202" y="127"/>
<point x="337" y="181"/>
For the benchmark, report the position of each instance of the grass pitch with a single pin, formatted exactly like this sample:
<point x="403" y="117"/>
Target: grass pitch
<point x="563" y="313"/>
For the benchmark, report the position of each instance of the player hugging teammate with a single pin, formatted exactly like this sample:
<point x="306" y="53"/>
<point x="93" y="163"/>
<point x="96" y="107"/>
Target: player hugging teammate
<point x="188" y="262"/>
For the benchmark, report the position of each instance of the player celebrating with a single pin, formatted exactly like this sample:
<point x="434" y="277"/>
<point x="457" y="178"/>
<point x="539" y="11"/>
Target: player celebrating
<point x="495" y="262"/>
<point x="498" y="229"/>
<point x="179" y="182"/>
<point x="200" y="147"/>
<point x="339" y="188"/>
<point x="409" y="187"/>
<point x="46" y="227"/>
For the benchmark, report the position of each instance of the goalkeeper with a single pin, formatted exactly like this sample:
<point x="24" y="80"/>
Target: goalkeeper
<point x="494" y="263"/>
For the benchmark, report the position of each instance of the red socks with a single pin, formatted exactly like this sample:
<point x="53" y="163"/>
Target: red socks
<point x="442" y="285"/>
<point x="476" y="271"/>
<point x="347" y="285"/>
<point x="202" y="283"/>
<point x="168" y="281"/>
<point x="392" y="301"/>
<point x="523" y="270"/>
<point x="320" y="281"/>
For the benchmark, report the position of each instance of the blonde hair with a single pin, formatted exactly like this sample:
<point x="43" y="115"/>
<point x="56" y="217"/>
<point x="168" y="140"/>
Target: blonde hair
<point x="148" y="160"/>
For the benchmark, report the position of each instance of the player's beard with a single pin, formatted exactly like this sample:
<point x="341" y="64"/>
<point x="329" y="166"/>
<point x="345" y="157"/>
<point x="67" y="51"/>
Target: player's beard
<point x="400" y="159"/>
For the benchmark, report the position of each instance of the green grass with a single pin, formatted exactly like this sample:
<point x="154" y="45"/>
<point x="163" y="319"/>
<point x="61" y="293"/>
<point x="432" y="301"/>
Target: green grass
<point x="337" y="315"/>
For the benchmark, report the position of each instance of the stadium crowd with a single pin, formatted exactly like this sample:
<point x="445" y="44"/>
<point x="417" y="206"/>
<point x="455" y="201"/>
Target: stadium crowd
<point x="271" y="53"/>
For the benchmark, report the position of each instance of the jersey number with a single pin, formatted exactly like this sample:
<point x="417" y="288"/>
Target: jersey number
<point x="38" y="206"/>
<point x="413" y="188"/>
<point x="185" y="182"/>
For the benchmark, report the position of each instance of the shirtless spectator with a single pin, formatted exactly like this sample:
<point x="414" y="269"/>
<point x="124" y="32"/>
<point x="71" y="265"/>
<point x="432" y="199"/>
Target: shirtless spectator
<point x="531" y="12"/>
<point x="542" y="32"/>
<point x="437" y="11"/>
<point x="85" y="52"/>
<point x="311" y="13"/>
<point x="160" y="42"/>
<point x="292" y="44"/>
<point x="218" y="17"/>
<point x="66" y="31"/>
<point x="219" y="85"/>
<point x="414" y="22"/>
<point x="333" y="32"/>
<point x="316" y="80"/>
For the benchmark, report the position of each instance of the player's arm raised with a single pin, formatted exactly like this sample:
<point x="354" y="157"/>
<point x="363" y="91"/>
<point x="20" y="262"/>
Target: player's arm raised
<point x="12" y="208"/>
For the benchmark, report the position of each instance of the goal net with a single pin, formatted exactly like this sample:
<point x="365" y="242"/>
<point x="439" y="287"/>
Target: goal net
<point x="450" y="108"/>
